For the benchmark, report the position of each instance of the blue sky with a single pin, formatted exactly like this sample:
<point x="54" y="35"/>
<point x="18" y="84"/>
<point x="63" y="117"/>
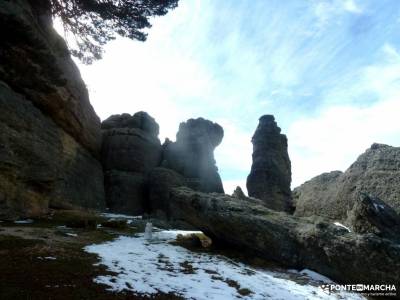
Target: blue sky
<point x="329" y="70"/>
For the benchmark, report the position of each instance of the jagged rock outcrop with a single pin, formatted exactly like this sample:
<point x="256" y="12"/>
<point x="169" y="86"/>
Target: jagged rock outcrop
<point x="130" y="150"/>
<point x="192" y="155"/>
<point x="312" y="243"/>
<point x="238" y="193"/>
<point x="270" y="175"/>
<point x="49" y="133"/>
<point x="376" y="173"/>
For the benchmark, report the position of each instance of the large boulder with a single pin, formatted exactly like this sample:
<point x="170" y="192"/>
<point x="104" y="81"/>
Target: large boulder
<point x="130" y="150"/>
<point x="376" y="173"/>
<point x="192" y="155"/>
<point x="270" y="175"/>
<point x="294" y="242"/>
<point x="372" y="215"/>
<point x="49" y="133"/>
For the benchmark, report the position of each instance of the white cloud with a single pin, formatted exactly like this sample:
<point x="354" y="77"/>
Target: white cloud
<point x="352" y="6"/>
<point x="333" y="139"/>
<point x="234" y="153"/>
<point x="329" y="10"/>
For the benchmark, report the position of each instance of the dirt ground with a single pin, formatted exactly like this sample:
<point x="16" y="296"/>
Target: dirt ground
<point x="45" y="260"/>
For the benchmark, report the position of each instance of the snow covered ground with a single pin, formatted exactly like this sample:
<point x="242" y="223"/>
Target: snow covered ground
<point x="154" y="266"/>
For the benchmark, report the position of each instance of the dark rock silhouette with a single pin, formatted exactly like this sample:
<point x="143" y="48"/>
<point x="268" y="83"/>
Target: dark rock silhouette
<point x="376" y="173"/>
<point x="131" y="149"/>
<point x="192" y="155"/>
<point x="159" y="183"/>
<point x="49" y="133"/>
<point x="270" y="175"/>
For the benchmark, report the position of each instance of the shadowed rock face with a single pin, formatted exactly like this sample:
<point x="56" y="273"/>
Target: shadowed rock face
<point x="313" y="243"/>
<point x="192" y="155"/>
<point x="270" y="175"/>
<point x="131" y="149"/>
<point x="376" y="173"/>
<point x="371" y="215"/>
<point x="159" y="183"/>
<point x="49" y="133"/>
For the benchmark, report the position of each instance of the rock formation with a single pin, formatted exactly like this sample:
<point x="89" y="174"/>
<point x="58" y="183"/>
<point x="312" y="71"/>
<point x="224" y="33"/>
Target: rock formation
<point x="376" y="173"/>
<point x="238" y="193"/>
<point x="312" y="243"/>
<point x="131" y="149"/>
<point x="192" y="155"/>
<point x="270" y="176"/>
<point x="49" y="133"/>
<point x="312" y="197"/>
<point x="159" y="183"/>
<point x="372" y="215"/>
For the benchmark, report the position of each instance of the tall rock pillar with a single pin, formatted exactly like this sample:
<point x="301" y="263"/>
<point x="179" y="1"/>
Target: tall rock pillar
<point x="270" y="176"/>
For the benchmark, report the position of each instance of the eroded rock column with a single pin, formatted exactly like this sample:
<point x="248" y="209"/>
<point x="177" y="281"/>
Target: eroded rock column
<point x="270" y="176"/>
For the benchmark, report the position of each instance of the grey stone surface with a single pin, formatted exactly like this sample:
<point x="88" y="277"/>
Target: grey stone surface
<point x="160" y="181"/>
<point x="238" y="193"/>
<point x="314" y="243"/>
<point x="40" y="164"/>
<point x="372" y="215"/>
<point x="316" y="196"/>
<point x="376" y="173"/>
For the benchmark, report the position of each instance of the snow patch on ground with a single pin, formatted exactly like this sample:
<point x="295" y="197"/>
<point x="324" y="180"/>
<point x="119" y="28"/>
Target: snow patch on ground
<point x="47" y="258"/>
<point x="341" y="225"/>
<point x="149" y="267"/>
<point x="120" y="216"/>
<point x="379" y="207"/>
<point x="27" y="221"/>
<point x="71" y="234"/>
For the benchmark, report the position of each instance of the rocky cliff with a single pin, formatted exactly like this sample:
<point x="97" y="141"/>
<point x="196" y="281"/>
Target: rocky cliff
<point x="376" y="173"/>
<point x="131" y="149"/>
<point x="270" y="176"/>
<point x="49" y="133"/>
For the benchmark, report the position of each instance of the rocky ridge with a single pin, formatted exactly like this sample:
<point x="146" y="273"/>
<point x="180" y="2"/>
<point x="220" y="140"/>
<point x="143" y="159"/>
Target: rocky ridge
<point x="376" y="172"/>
